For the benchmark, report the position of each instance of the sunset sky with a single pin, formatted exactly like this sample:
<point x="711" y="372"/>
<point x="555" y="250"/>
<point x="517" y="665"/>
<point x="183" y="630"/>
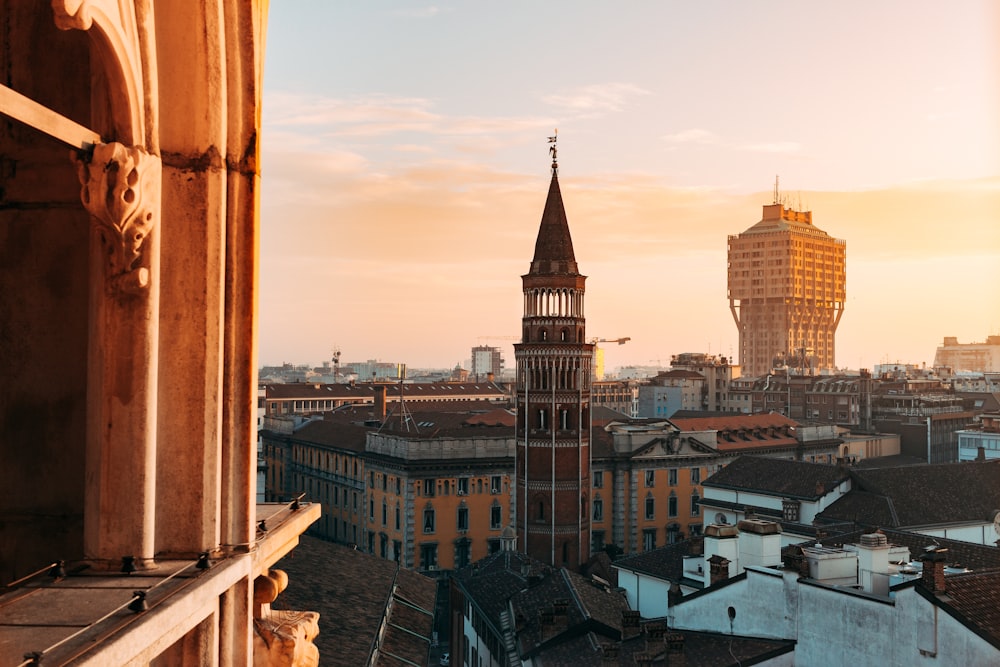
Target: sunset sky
<point x="405" y="168"/>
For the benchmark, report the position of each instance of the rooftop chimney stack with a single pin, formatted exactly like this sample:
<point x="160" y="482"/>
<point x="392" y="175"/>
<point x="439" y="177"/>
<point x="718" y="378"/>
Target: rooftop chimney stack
<point x="933" y="574"/>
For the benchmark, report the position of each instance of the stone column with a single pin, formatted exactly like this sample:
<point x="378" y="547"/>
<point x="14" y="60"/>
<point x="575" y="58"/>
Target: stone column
<point x="121" y="191"/>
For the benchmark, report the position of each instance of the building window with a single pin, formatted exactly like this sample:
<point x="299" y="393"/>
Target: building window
<point x="371" y="509"/>
<point x="463" y="518"/>
<point x="696" y="475"/>
<point x="385" y="482"/>
<point x="463" y="551"/>
<point x="541" y="510"/>
<point x="650" y="507"/>
<point x="371" y="542"/>
<point x="397" y="516"/>
<point x="496" y="484"/>
<point x="648" y="539"/>
<point x="385" y="512"/>
<point x="493" y="545"/>
<point x="428" y="556"/>
<point x="596" y="541"/>
<point x="695" y="500"/>
<point x="496" y="518"/>
<point x="542" y="419"/>
<point x="673" y="533"/>
<point x="790" y="510"/>
<point x="564" y="420"/>
<point x="598" y="479"/>
<point x="598" y="509"/>
<point x="672" y="477"/>
<point x="463" y="486"/>
<point x="429" y="487"/>
<point x="672" y="505"/>
<point x="383" y="545"/>
<point x="650" y="477"/>
<point x="429" y="520"/>
<point x="694" y="529"/>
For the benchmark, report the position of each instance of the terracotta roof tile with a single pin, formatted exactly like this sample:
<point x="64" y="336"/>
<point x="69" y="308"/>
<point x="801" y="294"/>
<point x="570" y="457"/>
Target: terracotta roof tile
<point x="350" y="590"/>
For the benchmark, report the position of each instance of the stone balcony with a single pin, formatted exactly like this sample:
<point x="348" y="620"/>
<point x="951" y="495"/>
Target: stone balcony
<point x="92" y="617"/>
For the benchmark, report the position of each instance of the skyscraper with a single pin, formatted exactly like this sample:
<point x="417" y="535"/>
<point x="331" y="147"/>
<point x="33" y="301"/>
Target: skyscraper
<point x="553" y="398"/>
<point x="787" y="287"/>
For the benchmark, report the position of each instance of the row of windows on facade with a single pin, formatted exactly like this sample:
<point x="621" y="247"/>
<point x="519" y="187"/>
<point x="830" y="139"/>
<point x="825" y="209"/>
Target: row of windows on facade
<point x="649" y="507"/>
<point x="462" y="553"/>
<point x="672" y="532"/>
<point x="461" y="486"/>
<point x="461" y="518"/>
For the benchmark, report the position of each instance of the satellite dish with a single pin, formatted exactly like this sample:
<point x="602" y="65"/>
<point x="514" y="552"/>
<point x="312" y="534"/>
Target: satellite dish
<point x="720" y="518"/>
<point x="996" y="523"/>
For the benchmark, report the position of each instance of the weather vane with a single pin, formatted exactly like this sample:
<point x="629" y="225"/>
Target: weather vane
<point x="553" y="150"/>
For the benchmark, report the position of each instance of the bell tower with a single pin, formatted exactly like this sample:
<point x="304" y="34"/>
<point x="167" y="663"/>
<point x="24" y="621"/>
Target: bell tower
<point x="553" y="397"/>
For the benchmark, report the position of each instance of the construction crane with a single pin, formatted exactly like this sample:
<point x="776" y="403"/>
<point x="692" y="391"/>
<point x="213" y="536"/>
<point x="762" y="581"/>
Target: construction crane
<point x="620" y="341"/>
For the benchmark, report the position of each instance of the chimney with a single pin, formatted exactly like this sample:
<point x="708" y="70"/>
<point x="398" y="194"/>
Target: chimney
<point x="560" y="613"/>
<point x="820" y="489"/>
<point x="675" y="650"/>
<point x="933" y="574"/>
<point x="655" y="632"/>
<point x="873" y="563"/>
<point x="718" y="568"/>
<point x="490" y="377"/>
<point x="674" y="594"/>
<point x="546" y="622"/>
<point x="981" y="454"/>
<point x="609" y="655"/>
<point x="380" y="403"/>
<point x="630" y="624"/>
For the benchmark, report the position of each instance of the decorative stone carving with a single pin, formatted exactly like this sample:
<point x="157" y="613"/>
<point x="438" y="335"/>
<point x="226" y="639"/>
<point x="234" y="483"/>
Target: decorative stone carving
<point x="285" y="639"/>
<point x="121" y="190"/>
<point x="282" y="638"/>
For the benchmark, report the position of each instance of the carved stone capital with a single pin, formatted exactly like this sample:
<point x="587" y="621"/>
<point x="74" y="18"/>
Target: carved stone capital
<point x="285" y="639"/>
<point x="72" y="14"/>
<point x="121" y="190"/>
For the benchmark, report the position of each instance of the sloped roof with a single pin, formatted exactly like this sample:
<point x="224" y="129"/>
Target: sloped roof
<point x="350" y="590"/>
<point x="665" y="562"/>
<point x="922" y="495"/>
<point x="554" y="245"/>
<point x="491" y="581"/>
<point x="975" y="597"/>
<point x="780" y="477"/>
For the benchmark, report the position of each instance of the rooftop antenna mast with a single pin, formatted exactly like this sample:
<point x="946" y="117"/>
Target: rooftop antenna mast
<point x="776" y="199"/>
<point x="554" y="151"/>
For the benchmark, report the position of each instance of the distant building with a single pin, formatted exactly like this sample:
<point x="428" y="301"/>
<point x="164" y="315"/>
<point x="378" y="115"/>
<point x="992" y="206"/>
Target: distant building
<point x="975" y="357"/>
<point x="981" y="443"/>
<point x="787" y="290"/>
<point x="309" y="399"/>
<point x="618" y="395"/>
<point x="487" y="361"/>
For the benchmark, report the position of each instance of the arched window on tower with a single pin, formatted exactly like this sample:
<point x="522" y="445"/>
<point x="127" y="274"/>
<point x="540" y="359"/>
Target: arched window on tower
<point x="543" y="335"/>
<point x="541" y="510"/>
<point x="564" y="335"/>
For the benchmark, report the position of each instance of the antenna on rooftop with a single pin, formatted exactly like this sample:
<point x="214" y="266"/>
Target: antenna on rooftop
<point x="776" y="200"/>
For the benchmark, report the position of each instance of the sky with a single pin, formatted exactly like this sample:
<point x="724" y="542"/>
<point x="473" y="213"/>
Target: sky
<point x="405" y="166"/>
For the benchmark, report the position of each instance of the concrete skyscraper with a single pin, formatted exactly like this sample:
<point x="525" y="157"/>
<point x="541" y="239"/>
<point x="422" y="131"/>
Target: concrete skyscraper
<point x="553" y="398"/>
<point x="787" y="288"/>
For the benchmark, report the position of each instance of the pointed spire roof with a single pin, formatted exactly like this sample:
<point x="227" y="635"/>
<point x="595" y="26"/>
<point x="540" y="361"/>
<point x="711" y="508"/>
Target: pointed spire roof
<point x="554" y="245"/>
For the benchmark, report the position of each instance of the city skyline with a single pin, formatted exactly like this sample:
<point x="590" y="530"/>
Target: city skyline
<point x="404" y="170"/>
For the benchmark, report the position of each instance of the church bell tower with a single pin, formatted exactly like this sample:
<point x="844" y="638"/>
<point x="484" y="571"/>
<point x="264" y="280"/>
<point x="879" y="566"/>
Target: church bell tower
<point x="553" y="397"/>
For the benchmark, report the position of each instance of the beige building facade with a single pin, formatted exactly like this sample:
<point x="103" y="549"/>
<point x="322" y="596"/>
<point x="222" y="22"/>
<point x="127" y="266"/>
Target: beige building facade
<point x="787" y="290"/>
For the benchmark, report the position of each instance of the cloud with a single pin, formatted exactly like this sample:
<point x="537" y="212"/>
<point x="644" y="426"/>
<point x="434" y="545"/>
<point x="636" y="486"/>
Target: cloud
<point x="693" y="136"/>
<point x="773" y="147"/>
<point x="703" y="137"/>
<point x="415" y="13"/>
<point x="597" y="98"/>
